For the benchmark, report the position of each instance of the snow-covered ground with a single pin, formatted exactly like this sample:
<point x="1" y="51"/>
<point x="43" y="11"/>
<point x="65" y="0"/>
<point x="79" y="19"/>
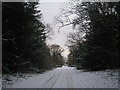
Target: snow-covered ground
<point x="0" y="81"/>
<point x="69" y="77"/>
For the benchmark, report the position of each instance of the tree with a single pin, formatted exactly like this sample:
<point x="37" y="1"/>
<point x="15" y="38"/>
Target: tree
<point x="101" y="40"/>
<point x="99" y="21"/>
<point x="23" y="38"/>
<point x="56" y="51"/>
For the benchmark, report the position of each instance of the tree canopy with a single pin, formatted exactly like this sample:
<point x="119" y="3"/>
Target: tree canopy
<point x="94" y="46"/>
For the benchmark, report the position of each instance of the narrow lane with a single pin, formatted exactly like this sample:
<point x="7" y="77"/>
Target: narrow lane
<point x="63" y="80"/>
<point x="66" y="77"/>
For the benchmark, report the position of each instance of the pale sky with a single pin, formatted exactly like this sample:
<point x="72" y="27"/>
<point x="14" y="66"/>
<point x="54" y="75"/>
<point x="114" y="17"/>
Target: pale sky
<point x="49" y="11"/>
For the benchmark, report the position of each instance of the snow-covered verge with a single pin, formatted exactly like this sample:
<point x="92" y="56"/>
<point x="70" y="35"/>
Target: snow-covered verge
<point x="96" y="79"/>
<point x="0" y="81"/>
<point x="11" y="79"/>
<point x="64" y="77"/>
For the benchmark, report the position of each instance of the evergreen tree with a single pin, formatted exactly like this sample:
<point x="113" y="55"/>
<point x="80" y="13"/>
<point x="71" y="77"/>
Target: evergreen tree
<point x="23" y="37"/>
<point x="101" y="27"/>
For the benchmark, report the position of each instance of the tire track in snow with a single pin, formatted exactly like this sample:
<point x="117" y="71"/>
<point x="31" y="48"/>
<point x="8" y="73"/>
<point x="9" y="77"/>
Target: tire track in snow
<point x="52" y="80"/>
<point x="55" y="79"/>
<point x="62" y="80"/>
<point x="69" y="79"/>
<point x="69" y="86"/>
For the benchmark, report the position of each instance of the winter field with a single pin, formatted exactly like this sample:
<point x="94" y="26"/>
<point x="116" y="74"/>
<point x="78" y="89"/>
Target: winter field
<point x="64" y="77"/>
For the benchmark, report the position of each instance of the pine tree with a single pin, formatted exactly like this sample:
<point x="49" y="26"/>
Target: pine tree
<point x="23" y="38"/>
<point x="101" y="35"/>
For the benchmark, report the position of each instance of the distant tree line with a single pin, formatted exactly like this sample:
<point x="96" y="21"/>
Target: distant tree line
<point x="95" y="43"/>
<point x="23" y="38"/>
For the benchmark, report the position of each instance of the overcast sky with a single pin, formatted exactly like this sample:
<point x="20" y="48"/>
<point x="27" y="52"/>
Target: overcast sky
<point x="49" y="11"/>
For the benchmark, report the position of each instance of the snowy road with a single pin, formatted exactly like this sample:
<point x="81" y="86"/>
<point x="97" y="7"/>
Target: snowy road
<point x="67" y="77"/>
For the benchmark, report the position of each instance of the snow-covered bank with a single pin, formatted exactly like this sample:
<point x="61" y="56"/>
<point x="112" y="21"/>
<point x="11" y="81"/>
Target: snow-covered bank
<point x="0" y="81"/>
<point x="97" y="79"/>
<point x="68" y="77"/>
<point x="11" y="79"/>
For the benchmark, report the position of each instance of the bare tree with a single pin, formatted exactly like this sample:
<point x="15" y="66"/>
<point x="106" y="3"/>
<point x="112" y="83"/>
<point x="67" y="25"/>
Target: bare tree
<point x="56" y="48"/>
